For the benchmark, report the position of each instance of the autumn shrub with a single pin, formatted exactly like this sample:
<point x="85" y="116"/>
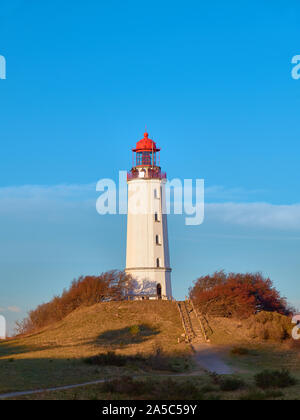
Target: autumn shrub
<point x="274" y="379"/>
<point x="237" y="295"/>
<point x="85" y="291"/>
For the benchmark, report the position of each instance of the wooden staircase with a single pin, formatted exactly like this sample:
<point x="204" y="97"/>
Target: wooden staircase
<point x="186" y="321"/>
<point x="195" y="325"/>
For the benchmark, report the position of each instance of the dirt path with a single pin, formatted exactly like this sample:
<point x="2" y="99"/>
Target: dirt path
<point x="40" y="391"/>
<point x="66" y="387"/>
<point x="210" y="358"/>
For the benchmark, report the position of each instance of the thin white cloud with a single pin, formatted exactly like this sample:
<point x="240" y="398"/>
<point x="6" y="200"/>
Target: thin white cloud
<point x="219" y="192"/>
<point x="45" y="202"/>
<point x="260" y="215"/>
<point x="59" y="201"/>
<point x="45" y="191"/>
<point x="14" y="309"/>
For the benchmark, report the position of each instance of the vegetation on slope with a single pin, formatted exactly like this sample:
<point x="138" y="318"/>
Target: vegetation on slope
<point x="73" y="340"/>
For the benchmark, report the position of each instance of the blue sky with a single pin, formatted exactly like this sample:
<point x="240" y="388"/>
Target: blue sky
<point x="213" y="84"/>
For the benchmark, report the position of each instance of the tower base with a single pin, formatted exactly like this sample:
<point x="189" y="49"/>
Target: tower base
<point x="152" y="283"/>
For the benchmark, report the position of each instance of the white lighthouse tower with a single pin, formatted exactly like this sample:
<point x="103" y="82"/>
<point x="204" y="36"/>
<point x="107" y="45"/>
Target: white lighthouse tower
<point x="148" y="260"/>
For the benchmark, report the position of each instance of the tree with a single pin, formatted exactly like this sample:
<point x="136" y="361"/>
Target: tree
<point x="237" y="295"/>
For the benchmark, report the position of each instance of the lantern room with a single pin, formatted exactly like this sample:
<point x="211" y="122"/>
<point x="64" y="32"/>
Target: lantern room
<point x="145" y="153"/>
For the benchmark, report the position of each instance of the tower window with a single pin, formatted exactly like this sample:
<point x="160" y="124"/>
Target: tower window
<point x="157" y="240"/>
<point x="157" y="262"/>
<point x="156" y="218"/>
<point x="156" y="194"/>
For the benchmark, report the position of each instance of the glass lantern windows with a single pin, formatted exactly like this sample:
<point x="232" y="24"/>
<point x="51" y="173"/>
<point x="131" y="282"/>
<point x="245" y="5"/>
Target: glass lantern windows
<point x="145" y="159"/>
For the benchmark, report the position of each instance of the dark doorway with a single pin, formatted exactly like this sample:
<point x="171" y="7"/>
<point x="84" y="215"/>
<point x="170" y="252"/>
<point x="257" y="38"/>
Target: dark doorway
<point x="158" y="288"/>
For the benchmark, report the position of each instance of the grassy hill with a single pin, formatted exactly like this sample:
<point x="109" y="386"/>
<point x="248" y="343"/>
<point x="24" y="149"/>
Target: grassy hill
<point x="54" y="356"/>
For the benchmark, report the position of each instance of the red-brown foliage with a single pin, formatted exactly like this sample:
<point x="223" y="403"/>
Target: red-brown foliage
<point x="237" y="295"/>
<point x="86" y="291"/>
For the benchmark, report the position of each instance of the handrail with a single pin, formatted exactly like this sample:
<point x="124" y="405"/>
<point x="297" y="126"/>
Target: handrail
<point x="183" y="321"/>
<point x="200" y="322"/>
<point x="189" y="319"/>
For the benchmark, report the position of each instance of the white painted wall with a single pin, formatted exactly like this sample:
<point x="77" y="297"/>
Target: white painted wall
<point x="145" y="198"/>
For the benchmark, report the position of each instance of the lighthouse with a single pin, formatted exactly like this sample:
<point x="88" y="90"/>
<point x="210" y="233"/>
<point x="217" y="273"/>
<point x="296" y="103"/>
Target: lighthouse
<point x="147" y="257"/>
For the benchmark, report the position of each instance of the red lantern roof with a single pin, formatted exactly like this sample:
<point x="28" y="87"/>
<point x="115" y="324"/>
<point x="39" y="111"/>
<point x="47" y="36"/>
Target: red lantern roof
<point x="146" y="144"/>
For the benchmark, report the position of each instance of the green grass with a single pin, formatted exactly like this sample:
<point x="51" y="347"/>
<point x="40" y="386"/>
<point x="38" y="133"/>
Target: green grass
<point x="161" y="388"/>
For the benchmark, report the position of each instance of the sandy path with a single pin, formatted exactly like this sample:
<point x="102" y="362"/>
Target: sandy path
<point x="210" y="358"/>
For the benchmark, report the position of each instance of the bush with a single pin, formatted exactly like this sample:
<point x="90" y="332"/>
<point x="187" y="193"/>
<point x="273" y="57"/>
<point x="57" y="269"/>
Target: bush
<point x="226" y="383"/>
<point x="274" y="379"/>
<point x="231" y="384"/>
<point x="112" y="359"/>
<point x="156" y="361"/>
<point x="237" y="295"/>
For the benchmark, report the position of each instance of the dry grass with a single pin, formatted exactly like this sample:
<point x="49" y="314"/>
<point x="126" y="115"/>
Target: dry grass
<point x="53" y="356"/>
